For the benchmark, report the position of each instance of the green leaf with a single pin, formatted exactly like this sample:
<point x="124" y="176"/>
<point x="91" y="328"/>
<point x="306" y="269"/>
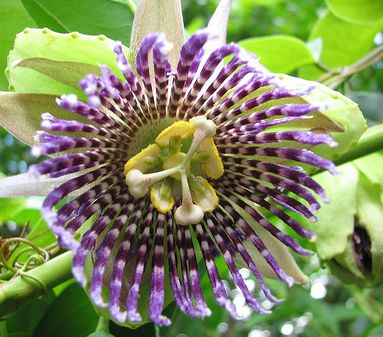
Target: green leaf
<point x="14" y="18"/>
<point x="357" y="11"/>
<point x="66" y="58"/>
<point x="158" y="16"/>
<point x="89" y="17"/>
<point x="279" y="53"/>
<point x="24" y="321"/>
<point x="71" y="314"/>
<point x="310" y="72"/>
<point x="343" y="43"/>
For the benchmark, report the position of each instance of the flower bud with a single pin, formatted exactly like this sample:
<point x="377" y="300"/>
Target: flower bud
<point x="350" y="230"/>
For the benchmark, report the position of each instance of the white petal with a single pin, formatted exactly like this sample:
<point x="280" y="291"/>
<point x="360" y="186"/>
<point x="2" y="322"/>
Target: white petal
<point x="218" y="24"/>
<point x="158" y="16"/>
<point x="25" y="184"/>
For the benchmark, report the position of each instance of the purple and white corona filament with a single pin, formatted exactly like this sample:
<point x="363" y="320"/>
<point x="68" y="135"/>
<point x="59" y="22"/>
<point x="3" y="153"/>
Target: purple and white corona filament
<point x="164" y="163"/>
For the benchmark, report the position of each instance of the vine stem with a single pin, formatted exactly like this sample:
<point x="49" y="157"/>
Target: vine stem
<point x="371" y="141"/>
<point x="29" y="285"/>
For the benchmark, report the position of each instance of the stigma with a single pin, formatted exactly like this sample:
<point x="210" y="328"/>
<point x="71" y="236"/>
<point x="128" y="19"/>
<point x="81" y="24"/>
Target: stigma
<point x="175" y="170"/>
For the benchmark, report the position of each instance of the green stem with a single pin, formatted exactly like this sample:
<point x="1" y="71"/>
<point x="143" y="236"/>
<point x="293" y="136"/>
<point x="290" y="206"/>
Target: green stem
<point x="34" y="283"/>
<point x="372" y="309"/>
<point x="371" y="141"/>
<point x="103" y="324"/>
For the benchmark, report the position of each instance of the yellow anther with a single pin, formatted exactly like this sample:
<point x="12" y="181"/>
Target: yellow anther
<point x="203" y="194"/>
<point x="213" y="167"/>
<point x="180" y="128"/>
<point x="142" y="160"/>
<point x="161" y="196"/>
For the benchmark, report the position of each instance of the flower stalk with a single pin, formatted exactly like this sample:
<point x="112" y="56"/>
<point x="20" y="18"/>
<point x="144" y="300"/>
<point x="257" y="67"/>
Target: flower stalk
<point x="371" y="141"/>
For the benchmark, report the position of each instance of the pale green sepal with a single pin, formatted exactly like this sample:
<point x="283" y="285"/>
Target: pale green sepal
<point x="361" y="262"/>
<point x="158" y="16"/>
<point x="67" y="73"/>
<point x="277" y="249"/>
<point x="370" y="215"/>
<point x="336" y="220"/>
<point x="44" y="43"/>
<point x="20" y="114"/>
<point x="217" y="25"/>
<point x="337" y="115"/>
<point x="349" y="229"/>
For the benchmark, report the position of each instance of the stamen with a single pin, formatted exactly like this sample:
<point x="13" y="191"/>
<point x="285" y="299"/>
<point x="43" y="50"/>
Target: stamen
<point x="188" y="213"/>
<point x="176" y="165"/>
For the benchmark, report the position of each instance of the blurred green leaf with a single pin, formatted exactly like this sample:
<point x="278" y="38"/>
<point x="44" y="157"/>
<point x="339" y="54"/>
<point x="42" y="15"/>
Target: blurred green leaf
<point x="71" y="314"/>
<point x="14" y="18"/>
<point x="24" y="321"/>
<point x="343" y="42"/>
<point x="100" y="334"/>
<point x="310" y="72"/>
<point x="10" y="207"/>
<point x="89" y="17"/>
<point x="279" y="53"/>
<point x="357" y="11"/>
<point x="248" y="4"/>
<point x="31" y="215"/>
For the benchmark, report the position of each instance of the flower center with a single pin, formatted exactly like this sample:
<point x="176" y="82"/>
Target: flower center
<point x="174" y="170"/>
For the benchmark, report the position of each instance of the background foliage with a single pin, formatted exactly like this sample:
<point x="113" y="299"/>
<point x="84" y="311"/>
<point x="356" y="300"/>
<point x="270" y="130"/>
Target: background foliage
<point x="314" y="39"/>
